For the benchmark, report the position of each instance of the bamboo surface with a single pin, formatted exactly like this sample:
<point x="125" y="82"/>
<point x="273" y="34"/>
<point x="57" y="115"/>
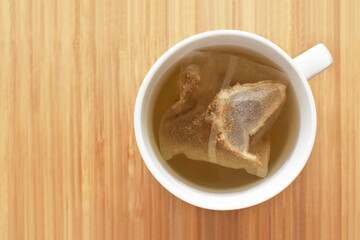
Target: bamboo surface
<point x="69" y="164"/>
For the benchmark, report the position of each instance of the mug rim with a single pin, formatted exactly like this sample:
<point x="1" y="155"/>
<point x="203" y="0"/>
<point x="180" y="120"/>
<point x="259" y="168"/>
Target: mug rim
<point x="169" y="184"/>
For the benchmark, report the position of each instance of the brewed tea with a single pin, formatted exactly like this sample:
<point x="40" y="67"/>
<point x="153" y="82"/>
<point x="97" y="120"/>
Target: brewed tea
<point x="258" y="69"/>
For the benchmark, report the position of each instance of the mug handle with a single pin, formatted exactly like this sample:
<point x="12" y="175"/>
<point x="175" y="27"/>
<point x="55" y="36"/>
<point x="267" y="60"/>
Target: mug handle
<point x="313" y="61"/>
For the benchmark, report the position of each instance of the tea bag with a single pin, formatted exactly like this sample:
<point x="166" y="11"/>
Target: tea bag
<point x="224" y="111"/>
<point x="241" y="116"/>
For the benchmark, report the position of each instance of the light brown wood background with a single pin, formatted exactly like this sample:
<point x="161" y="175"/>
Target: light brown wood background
<point x="69" y="163"/>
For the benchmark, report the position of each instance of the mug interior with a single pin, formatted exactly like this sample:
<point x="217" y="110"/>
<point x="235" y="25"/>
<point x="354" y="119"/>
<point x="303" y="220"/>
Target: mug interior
<point x="257" y="191"/>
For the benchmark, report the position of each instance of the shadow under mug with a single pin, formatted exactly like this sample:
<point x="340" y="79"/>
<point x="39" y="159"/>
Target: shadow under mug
<point x="299" y="70"/>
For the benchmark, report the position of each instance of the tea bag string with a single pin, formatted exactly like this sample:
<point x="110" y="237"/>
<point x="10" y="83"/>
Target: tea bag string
<point x="214" y="132"/>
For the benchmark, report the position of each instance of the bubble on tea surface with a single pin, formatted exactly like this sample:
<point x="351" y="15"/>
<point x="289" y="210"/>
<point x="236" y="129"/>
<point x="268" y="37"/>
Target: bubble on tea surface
<point x="224" y="111"/>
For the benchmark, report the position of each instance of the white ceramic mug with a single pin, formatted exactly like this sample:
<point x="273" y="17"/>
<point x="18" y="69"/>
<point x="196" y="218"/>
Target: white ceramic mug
<point x="299" y="70"/>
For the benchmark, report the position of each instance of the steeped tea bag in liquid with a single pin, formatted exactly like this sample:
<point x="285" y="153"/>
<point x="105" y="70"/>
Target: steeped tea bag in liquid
<point x="220" y="119"/>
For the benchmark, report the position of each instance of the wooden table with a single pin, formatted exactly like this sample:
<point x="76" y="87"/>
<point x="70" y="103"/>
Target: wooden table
<point x="69" y="164"/>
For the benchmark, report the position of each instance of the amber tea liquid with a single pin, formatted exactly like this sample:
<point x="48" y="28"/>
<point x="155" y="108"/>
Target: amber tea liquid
<point x="212" y="177"/>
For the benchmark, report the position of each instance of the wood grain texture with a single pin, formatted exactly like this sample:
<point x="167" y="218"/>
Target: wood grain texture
<point x="69" y="164"/>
